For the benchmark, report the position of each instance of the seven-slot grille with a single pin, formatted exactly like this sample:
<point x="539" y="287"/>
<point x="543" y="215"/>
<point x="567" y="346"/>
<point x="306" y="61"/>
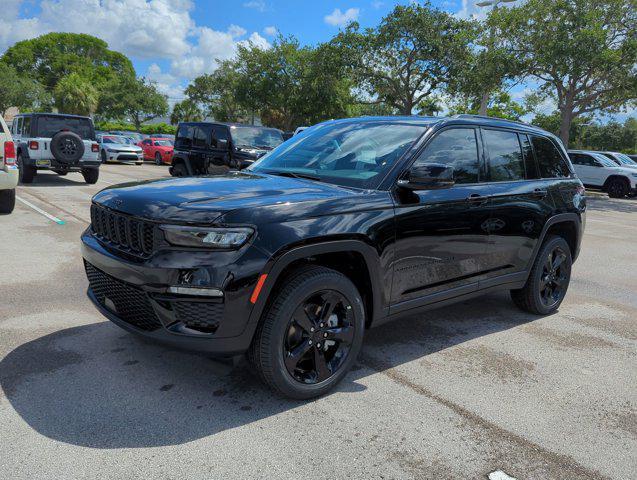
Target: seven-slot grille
<point x="134" y="235"/>
<point x="131" y="303"/>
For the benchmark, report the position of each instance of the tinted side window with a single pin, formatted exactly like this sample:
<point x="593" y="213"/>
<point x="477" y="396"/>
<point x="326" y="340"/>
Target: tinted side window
<point x="529" y="160"/>
<point x="580" y="159"/>
<point x="26" y="126"/>
<point x="457" y="147"/>
<point x="184" y="136"/>
<point x="221" y="133"/>
<point x="505" y="155"/>
<point x="549" y="160"/>
<point x="200" y="136"/>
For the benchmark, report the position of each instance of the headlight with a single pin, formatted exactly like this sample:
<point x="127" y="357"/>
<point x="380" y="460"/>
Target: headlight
<point x="207" y="237"/>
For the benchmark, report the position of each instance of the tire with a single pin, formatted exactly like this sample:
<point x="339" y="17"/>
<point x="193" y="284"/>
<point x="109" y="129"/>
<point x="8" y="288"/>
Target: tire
<point x="618" y="188"/>
<point x="314" y="368"/>
<point x="26" y="173"/>
<point x="179" y="170"/>
<point x="539" y="296"/>
<point x="103" y="155"/>
<point x="7" y="200"/>
<point x="67" y="147"/>
<point x="158" y="159"/>
<point x="91" y="175"/>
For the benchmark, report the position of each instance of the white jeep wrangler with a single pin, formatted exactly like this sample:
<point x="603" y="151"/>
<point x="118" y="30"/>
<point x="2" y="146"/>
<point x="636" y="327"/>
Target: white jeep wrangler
<point x="51" y="141"/>
<point x="8" y="169"/>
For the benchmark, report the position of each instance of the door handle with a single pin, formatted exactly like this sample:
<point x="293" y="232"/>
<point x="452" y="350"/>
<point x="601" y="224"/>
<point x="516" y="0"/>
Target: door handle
<point x="540" y="192"/>
<point x="477" y="199"/>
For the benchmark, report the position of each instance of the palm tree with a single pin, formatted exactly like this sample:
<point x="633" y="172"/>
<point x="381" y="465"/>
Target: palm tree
<point x="76" y="95"/>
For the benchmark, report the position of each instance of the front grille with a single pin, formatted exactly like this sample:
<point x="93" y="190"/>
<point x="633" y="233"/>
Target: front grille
<point x="201" y="316"/>
<point x="127" y="156"/>
<point x="133" y="235"/>
<point x="131" y="303"/>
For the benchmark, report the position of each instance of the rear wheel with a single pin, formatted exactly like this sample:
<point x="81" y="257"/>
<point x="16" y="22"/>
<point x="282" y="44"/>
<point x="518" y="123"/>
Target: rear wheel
<point x="103" y="155"/>
<point x="157" y="159"/>
<point x="26" y="173"/>
<point x="7" y="200"/>
<point x="310" y="335"/>
<point x="549" y="279"/>
<point x="618" y="188"/>
<point x="90" y="175"/>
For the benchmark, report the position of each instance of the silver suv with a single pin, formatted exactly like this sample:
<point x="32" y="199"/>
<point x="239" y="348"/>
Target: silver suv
<point x="50" y="141"/>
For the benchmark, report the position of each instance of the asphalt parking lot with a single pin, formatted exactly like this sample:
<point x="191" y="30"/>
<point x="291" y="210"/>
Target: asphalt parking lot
<point x="456" y="393"/>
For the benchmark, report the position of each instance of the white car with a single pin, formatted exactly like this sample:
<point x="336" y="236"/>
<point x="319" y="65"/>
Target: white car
<point x="8" y="169"/>
<point x="118" y="148"/>
<point x="598" y="171"/>
<point x="620" y="159"/>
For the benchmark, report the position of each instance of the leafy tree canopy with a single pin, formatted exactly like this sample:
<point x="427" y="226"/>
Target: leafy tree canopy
<point x="186" y="111"/>
<point x="21" y="92"/>
<point x="75" y="95"/>
<point x="133" y="98"/>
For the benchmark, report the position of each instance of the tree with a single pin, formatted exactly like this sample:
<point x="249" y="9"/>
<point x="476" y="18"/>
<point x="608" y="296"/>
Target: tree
<point x="414" y="51"/>
<point x="52" y="57"/>
<point x="24" y="93"/>
<point x="76" y="95"/>
<point x="186" y="111"/>
<point x="501" y="105"/>
<point x="217" y="94"/>
<point x="429" y="106"/>
<point x="134" y="99"/>
<point x="583" y="53"/>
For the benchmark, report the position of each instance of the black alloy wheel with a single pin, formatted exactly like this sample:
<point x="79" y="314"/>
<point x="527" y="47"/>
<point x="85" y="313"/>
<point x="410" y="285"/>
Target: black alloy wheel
<point x="157" y="159"/>
<point x="548" y="280"/>
<point x="554" y="278"/>
<point x="310" y="333"/>
<point x="618" y="188"/>
<point x="319" y="337"/>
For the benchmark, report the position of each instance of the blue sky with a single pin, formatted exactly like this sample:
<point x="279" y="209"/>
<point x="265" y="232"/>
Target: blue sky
<point x="173" y="41"/>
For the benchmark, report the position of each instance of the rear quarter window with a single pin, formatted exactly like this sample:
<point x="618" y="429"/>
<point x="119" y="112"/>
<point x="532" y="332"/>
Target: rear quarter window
<point x="550" y="162"/>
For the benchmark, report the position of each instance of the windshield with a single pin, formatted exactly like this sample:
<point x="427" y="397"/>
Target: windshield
<point x="355" y="154"/>
<point x="114" y="139"/>
<point x="625" y="159"/>
<point x="163" y="143"/>
<point x="607" y="162"/>
<point x="48" y="126"/>
<point x="255" y="137"/>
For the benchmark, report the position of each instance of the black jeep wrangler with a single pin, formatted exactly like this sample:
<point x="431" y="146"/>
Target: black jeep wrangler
<point x="211" y="148"/>
<point x="52" y="141"/>
<point x="354" y="223"/>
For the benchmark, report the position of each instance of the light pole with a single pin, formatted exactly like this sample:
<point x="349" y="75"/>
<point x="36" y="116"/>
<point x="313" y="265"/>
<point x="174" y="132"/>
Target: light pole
<point x="484" y="99"/>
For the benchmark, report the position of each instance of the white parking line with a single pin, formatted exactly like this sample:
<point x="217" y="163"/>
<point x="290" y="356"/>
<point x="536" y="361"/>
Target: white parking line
<point x="500" y="475"/>
<point x="39" y="210"/>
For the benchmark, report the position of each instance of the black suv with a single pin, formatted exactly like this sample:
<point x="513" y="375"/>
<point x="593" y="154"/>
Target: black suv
<point x="353" y="223"/>
<point x="212" y="148"/>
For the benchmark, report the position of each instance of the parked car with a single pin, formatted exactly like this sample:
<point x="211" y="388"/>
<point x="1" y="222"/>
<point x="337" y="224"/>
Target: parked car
<point x="163" y="135"/>
<point x="8" y="169"/>
<point x="354" y="223"/>
<point x="135" y="136"/>
<point x="633" y="157"/>
<point x="203" y="148"/>
<point x="58" y="142"/>
<point x="117" y="148"/>
<point x="599" y="171"/>
<point x="621" y="159"/>
<point x="160" y="150"/>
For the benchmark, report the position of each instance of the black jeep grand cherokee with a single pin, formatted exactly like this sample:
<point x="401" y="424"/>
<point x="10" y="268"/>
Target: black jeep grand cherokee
<point x="351" y="224"/>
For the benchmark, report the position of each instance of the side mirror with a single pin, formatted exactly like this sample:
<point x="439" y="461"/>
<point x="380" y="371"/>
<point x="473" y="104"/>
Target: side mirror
<point x="222" y="144"/>
<point x="431" y="176"/>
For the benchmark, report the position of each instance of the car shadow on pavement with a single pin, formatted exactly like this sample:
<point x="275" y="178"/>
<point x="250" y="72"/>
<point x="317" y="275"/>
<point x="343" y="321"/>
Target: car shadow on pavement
<point x="54" y="180"/>
<point x="98" y="386"/>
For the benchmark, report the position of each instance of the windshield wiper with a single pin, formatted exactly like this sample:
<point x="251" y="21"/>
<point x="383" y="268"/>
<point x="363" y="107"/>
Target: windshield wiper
<point x="286" y="173"/>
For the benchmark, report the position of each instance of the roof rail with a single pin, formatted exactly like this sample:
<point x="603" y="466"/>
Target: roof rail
<point x="486" y="117"/>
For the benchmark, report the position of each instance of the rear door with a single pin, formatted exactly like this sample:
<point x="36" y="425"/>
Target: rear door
<point x="585" y="168"/>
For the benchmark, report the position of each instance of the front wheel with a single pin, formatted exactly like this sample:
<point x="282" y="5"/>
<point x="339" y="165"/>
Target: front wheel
<point x="618" y="188"/>
<point x="179" y="170"/>
<point x="311" y="334"/>
<point x="549" y="279"/>
<point x="158" y="159"/>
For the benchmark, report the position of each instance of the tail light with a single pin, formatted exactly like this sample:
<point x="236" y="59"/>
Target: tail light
<point x="95" y="147"/>
<point x="34" y="145"/>
<point x="9" y="153"/>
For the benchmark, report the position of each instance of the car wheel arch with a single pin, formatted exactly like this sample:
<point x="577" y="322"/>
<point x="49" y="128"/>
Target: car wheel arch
<point x="283" y="264"/>
<point x="616" y="177"/>
<point x="558" y="225"/>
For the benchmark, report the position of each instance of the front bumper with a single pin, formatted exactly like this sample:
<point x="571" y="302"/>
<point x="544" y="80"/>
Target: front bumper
<point x="8" y="177"/>
<point x="124" y="157"/>
<point x="134" y="296"/>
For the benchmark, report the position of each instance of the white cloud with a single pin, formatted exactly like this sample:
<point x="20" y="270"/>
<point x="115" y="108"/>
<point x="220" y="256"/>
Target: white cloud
<point x="376" y="4"/>
<point x="341" y="19"/>
<point x="256" y="4"/>
<point x="270" y="31"/>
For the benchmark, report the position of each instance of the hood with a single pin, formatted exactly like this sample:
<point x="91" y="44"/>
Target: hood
<point x="204" y="199"/>
<point x="122" y="147"/>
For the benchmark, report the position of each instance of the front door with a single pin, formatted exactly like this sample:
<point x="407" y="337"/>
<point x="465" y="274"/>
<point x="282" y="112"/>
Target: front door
<point x="442" y="235"/>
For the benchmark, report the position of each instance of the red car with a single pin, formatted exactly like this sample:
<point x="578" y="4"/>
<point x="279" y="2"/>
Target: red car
<point x="158" y="149"/>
